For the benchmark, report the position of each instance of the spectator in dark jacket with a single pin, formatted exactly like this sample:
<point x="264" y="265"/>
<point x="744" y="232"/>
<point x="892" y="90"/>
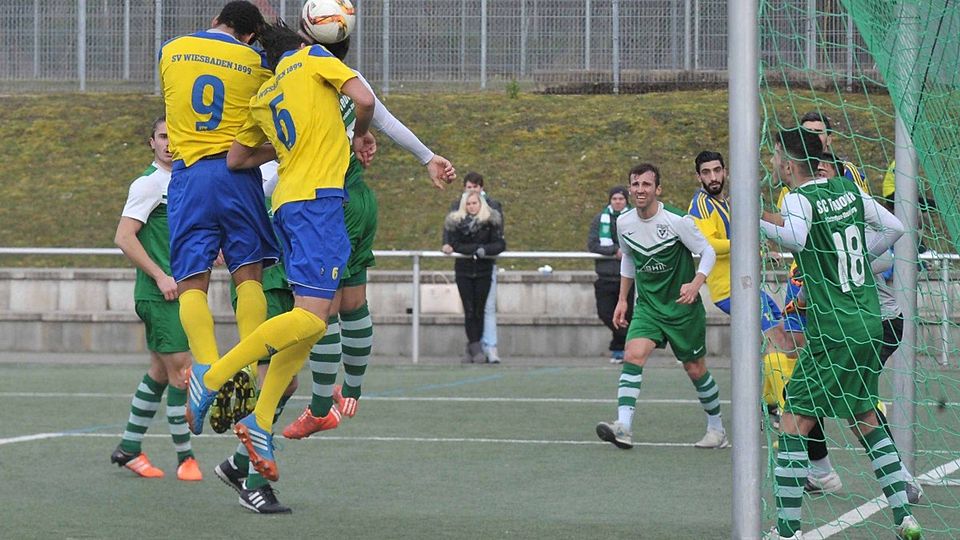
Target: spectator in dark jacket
<point x="476" y="230"/>
<point x="473" y="181"/>
<point x="603" y="240"/>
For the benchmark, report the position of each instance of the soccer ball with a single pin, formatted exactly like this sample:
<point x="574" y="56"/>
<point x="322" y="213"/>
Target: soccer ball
<point x="328" y="21"/>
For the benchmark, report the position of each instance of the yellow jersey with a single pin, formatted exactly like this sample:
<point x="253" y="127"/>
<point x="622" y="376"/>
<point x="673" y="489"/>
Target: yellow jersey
<point x="207" y="79"/>
<point x="712" y="216"/>
<point x="298" y="111"/>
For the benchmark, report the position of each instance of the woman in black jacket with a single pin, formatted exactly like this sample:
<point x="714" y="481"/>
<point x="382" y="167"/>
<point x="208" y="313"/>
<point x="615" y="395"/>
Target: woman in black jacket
<point x="476" y="230"/>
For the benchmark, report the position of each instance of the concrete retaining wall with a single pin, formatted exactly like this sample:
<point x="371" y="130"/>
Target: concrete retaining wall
<point x="91" y="311"/>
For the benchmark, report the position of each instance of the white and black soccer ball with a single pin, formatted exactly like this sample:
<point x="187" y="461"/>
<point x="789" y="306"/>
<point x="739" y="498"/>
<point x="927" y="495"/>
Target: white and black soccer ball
<point x="328" y="21"/>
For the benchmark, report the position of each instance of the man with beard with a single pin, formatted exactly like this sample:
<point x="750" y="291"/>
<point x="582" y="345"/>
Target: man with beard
<point x="710" y="210"/>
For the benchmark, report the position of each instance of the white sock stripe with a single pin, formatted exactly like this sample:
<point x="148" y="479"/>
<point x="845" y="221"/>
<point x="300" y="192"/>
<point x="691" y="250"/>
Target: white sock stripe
<point x="144" y="405"/>
<point x="326" y="368"/>
<point x="885" y="460"/>
<point x="897" y="499"/>
<point x="178" y="429"/>
<point x="357" y="342"/>
<point x="359" y="324"/>
<point x="177" y="410"/>
<point x="791" y="472"/>
<point x="182" y="447"/>
<point x="139" y="421"/>
<point x="712" y="393"/>
<point x="892" y="478"/>
<point x="356" y="361"/>
<point x="352" y="380"/>
<point x="327" y="349"/>
<point x="324" y="390"/>
<point x="626" y="391"/>
<point x="711" y="405"/>
<point x="792" y="492"/>
<point x="142" y="387"/>
<point x="881" y="444"/>
<point x="332" y="329"/>
<point x="792" y="456"/>
<point x="624" y="378"/>
<point x="789" y="514"/>
<point x="242" y="450"/>
<point x="132" y="436"/>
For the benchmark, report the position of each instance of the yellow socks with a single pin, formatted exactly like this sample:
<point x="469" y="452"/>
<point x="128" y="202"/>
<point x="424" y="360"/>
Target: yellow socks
<point x="283" y="367"/>
<point x="777" y="369"/>
<point x="272" y="336"/>
<point x="197" y="322"/>
<point x="251" y="307"/>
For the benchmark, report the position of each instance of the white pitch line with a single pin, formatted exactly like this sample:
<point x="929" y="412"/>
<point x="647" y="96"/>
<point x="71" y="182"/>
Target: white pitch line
<point x="40" y="436"/>
<point x="861" y="513"/>
<point x="390" y="398"/>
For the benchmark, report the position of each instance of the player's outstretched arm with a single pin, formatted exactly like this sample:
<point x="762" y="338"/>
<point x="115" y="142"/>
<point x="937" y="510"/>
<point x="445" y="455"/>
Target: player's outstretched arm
<point x="126" y="239"/>
<point x="441" y="171"/>
<point x="364" y="143"/>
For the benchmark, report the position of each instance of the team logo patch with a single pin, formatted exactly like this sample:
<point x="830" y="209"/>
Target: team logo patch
<point x="661" y="231"/>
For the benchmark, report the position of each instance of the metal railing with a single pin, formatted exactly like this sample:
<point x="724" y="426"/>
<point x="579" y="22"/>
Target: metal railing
<point x="943" y="259"/>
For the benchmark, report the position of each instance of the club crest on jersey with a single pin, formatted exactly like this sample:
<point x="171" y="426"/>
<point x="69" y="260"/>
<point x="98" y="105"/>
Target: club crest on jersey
<point x="661" y="231"/>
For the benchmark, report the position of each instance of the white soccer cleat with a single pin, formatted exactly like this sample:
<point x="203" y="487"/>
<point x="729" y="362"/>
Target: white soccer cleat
<point x="909" y="529"/>
<point x="829" y="483"/>
<point x="774" y="534"/>
<point x="616" y="434"/>
<point x="713" y="439"/>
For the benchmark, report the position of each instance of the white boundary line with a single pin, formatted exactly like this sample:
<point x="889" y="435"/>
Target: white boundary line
<point x="391" y="398"/>
<point x="42" y="436"/>
<point x="934" y="476"/>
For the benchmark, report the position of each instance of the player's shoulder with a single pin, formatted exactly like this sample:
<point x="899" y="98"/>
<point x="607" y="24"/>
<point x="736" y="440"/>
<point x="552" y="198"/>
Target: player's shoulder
<point x="700" y="205"/>
<point x="671" y="212"/>
<point x="152" y="178"/>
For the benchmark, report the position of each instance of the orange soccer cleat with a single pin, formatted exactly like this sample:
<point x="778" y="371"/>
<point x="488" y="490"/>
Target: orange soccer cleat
<point x="189" y="470"/>
<point x="347" y="406"/>
<point x="138" y="463"/>
<point x="307" y="424"/>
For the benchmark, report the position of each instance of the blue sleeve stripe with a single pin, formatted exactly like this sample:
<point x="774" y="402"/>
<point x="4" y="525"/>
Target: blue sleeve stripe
<point x="318" y="50"/>
<point x="696" y="208"/>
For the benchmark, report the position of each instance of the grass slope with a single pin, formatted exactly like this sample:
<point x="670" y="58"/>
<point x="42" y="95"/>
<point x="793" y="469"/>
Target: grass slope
<point x="68" y="160"/>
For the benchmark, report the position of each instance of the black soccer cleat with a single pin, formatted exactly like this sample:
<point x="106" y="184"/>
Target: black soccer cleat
<point x="121" y="457"/>
<point x="231" y="475"/>
<point x="221" y="412"/>
<point x="245" y="395"/>
<point x="262" y="501"/>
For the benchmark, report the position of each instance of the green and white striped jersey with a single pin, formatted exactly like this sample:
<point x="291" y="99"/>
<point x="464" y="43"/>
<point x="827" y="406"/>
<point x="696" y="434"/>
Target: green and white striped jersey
<point x="658" y="254"/>
<point x="147" y="203"/>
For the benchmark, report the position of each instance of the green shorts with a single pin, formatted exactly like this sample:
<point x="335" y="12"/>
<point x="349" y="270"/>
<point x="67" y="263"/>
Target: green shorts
<point x="840" y="382"/>
<point x="687" y="336"/>
<point x="164" y="331"/>
<point x="360" y="215"/>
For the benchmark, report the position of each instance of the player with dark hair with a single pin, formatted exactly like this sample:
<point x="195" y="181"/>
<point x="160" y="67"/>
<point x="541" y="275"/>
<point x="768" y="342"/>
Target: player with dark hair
<point x="350" y="327"/>
<point x="658" y="244"/>
<point x="144" y="237"/>
<point x="711" y="212"/>
<point x="207" y="80"/>
<point x="297" y="111"/>
<point x="822" y="223"/>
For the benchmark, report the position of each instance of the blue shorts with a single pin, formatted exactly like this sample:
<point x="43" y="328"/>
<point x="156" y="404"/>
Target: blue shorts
<point x="211" y="208"/>
<point x="315" y="245"/>
<point x="793" y="322"/>
<point x="769" y="311"/>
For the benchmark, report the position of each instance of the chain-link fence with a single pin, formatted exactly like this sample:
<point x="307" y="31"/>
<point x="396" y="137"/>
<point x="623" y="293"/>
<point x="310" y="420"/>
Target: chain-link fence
<point x="548" y="45"/>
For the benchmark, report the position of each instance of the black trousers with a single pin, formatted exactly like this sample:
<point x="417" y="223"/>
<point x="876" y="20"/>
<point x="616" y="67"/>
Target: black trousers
<point x="473" y="294"/>
<point x="606" y="293"/>
<point x="892" y="334"/>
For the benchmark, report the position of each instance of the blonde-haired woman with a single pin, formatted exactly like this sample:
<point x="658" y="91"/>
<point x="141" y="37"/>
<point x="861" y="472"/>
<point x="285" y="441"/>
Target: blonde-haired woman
<point x="474" y="229"/>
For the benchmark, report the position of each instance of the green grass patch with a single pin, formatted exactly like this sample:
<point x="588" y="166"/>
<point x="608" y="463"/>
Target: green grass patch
<point x="69" y="159"/>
